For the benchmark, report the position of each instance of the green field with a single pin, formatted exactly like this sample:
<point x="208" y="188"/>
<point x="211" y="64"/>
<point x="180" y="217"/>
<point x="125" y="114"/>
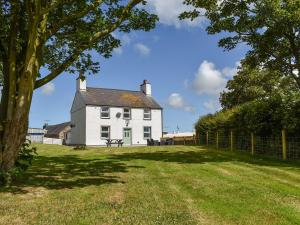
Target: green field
<point x="152" y="185"/>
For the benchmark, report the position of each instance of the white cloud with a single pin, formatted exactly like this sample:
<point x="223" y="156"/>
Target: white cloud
<point x="176" y="101"/>
<point x="125" y="39"/>
<point x="118" y="51"/>
<point x="142" y="49"/>
<point x="231" y="71"/>
<point x="212" y="105"/>
<point x="211" y="81"/>
<point x="208" y="80"/>
<point x="48" y="89"/>
<point x="169" y="10"/>
<point x="189" y="108"/>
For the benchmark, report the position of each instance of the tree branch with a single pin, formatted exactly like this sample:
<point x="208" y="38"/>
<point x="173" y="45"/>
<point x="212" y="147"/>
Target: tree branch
<point x="68" y="62"/>
<point x="52" y="6"/>
<point x="73" y="17"/>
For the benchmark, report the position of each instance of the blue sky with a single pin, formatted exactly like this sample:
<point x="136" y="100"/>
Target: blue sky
<point x="185" y="66"/>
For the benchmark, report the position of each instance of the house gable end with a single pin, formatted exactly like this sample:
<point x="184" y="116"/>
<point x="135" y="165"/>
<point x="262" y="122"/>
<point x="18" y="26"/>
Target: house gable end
<point x="78" y="102"/>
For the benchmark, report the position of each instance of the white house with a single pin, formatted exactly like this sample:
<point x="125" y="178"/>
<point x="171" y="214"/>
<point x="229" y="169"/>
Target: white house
<point x="99" y="114"/>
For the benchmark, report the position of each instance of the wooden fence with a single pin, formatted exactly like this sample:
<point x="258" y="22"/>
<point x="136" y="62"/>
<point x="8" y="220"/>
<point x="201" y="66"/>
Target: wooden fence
<point x="282" y="146"/>
<point x="184" y="140"/>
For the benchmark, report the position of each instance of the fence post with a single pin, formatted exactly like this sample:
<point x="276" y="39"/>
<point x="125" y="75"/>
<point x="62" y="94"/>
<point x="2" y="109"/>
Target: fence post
<point x="283" y="134"/>
<point x="183" y="141"/>
<point x="217" y="139"/>
<point x="231" y="140"/>
<point x="206" y="137"/>
<point x="252" y="143"/>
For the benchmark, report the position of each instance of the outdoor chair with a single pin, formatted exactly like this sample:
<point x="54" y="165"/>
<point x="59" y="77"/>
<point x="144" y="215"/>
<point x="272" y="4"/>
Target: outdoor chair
<point x="151" y="142"/>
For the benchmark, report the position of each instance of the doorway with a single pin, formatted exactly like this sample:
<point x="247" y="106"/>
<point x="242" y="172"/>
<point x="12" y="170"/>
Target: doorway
<point x="127" y="136"/>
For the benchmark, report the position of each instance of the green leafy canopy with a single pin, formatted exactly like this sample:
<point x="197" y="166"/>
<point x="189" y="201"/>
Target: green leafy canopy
<point x="67" y="32"/>
<point x="255" y="84"/>
<point x="270" y="28"/>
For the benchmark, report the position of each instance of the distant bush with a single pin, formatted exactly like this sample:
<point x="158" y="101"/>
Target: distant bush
<point x="265" y="117"/>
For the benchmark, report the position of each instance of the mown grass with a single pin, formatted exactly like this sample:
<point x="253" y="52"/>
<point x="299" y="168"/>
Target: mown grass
<point x="152" y="185"/>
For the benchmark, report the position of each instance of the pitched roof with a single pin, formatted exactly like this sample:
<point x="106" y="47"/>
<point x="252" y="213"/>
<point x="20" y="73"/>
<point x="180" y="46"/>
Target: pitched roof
<point x="118" y="98"/>
<point x="54" y="130"/>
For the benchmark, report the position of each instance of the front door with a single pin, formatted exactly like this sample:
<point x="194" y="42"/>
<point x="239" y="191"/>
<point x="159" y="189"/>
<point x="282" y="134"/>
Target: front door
<point x="127" y="136"/>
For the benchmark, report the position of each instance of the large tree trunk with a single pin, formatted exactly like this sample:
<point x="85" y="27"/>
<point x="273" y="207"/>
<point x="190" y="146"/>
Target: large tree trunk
<point x="14" y="121"/>
<point x="16" y="99"/>
<point x="21" y="67"/>
<point x="14" y="135"/>
<point x="15" y="105"/>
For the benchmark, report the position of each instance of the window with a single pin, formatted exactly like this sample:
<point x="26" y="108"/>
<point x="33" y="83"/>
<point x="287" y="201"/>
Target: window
<point x="127" y="114"/>
<point x="147" y="114"/>
<point x="105" y="132"/>
<point x="105" y="112"/>
<point x="147" y="132"/>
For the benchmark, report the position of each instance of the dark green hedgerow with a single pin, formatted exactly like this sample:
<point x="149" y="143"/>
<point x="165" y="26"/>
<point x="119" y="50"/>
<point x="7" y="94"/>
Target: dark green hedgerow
<point x="265" y="117"/>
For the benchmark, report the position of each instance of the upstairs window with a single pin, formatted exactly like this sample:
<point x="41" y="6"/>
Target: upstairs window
<point x="147" y="114"/>
<point x="127" y="114"/>
<point x="105" y="132"/>
<point x="147" y="132"/>
<point x="105" y="114"/>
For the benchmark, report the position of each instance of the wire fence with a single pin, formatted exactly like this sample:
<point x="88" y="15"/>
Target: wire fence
<point x="278" y="146"/>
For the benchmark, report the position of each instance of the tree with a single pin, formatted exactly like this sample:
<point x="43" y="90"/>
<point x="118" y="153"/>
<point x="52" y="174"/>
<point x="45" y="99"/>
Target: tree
<point x="271" y="28"/>
<point x="58" y="35"/>
<point x="255" y="84"/>
<point x="1" y="75"/>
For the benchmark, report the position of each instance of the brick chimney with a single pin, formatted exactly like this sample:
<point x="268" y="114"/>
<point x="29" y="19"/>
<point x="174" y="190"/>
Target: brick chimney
<point x="146" y="88"/>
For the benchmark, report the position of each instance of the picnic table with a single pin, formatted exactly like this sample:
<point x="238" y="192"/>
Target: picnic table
<point x="110" y="142"/>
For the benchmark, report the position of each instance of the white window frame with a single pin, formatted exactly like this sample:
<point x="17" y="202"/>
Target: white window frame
<point x="108" y="132"/>
<point x="150" y="136"/>
<point x="127" y="118"/>
<point x="101" y="111"/>
<point x="148" y="113"/>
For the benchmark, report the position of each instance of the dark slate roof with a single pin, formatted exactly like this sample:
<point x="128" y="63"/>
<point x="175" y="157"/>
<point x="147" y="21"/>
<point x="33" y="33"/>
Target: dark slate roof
<point x="54" y="130"/>
<point x="118" y="98"/>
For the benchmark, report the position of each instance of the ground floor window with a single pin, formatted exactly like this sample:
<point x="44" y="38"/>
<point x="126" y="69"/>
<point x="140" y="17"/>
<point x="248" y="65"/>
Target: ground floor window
<point x="147" y="132"/>
<point x="105" y="132"/>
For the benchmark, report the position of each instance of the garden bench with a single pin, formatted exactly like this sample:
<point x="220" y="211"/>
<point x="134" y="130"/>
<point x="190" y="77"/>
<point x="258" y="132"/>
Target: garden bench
<point x="110" y="142"/>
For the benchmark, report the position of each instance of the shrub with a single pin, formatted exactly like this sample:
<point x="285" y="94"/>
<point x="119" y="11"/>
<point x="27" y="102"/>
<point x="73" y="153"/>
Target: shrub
<point x="24" y="161"/>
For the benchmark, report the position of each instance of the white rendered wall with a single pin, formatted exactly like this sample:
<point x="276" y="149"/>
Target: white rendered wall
<point x="78" y="121"/>
<point x="137" y="123"/>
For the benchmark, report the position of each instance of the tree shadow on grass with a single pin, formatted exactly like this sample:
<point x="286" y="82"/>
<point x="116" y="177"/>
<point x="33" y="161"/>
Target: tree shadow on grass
<point x="71" y="171"/>
<point x="200" y="155"/>
<point x="68" y="172"/>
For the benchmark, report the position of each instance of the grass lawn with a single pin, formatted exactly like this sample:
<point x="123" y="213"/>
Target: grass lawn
<point x="152" y="185"/>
